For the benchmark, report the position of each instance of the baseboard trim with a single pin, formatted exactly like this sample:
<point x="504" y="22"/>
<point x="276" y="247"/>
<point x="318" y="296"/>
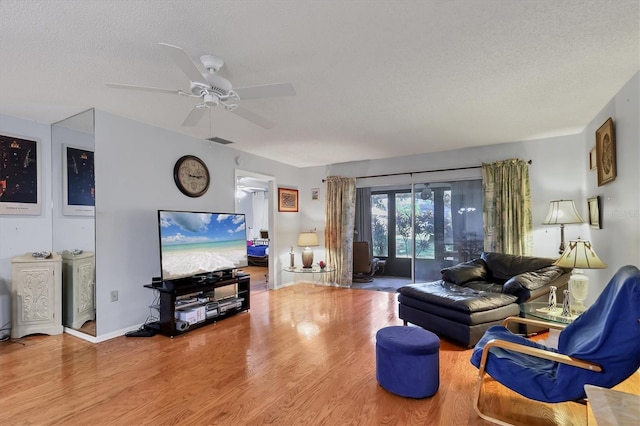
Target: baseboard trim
<point x="102" y="338"/>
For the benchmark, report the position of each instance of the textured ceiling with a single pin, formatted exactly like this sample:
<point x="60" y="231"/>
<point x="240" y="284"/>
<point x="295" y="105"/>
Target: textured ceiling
<point x="374" y="79"/>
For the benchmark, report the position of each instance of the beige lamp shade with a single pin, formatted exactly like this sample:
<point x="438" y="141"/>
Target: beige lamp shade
<point x="307" y="240"/>
<point x="562" y="212"/>
<point x="579" y="254"/>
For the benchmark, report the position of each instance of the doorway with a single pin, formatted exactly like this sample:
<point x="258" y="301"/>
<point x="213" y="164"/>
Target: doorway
<point x="254" y="197"/>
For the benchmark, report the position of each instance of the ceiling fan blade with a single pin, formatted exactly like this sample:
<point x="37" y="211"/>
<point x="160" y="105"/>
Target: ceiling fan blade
<point x="265" y="91"/>
<point x="185" y="63"/>
<point x="253" y="117"/>
<point x="195" y="116"/>
<point x="145" y="88"/>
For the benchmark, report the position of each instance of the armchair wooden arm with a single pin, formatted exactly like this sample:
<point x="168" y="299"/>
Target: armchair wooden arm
<point x="540" y="353"/>
<point x="528" y="350"/>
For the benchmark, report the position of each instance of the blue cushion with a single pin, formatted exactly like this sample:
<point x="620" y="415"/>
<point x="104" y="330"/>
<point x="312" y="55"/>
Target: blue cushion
<point x="408" y="340"/>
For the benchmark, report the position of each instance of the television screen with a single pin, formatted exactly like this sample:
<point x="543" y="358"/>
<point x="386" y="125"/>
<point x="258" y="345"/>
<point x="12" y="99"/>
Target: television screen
<point x="193" y="243"/>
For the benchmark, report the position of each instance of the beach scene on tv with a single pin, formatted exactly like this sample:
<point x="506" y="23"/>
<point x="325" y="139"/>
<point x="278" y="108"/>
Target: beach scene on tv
<point x="197" y="243"/>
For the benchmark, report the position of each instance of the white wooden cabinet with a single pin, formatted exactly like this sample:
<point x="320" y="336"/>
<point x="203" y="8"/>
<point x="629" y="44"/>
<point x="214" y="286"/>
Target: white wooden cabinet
<point x="36" y="287"/>
<point x="78" y="288"/>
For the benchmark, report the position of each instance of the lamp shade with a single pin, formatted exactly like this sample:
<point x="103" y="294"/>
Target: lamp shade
<point x="308" y="239"/>
<point x="561" y="212"/>
<point x="580" y="255"/>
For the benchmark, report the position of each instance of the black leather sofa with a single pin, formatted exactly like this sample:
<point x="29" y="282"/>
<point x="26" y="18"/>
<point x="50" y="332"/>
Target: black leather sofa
<point x="475" y="295"/>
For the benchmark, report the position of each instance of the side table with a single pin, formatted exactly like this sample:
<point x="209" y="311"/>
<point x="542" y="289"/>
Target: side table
<point x="36" y="287"/>
<point x="298" y="271"/>
<point x="540" y="310"/>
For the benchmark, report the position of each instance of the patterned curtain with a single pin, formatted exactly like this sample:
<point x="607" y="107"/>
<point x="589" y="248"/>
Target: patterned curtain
<point x="507" y="207"/>
<point x="338" y="231"/>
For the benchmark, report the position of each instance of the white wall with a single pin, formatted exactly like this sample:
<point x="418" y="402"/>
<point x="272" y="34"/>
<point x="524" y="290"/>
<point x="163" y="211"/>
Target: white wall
<point x="134" y="178"/>
<point x="618" y="242"/>
<point x="312" y="211"/>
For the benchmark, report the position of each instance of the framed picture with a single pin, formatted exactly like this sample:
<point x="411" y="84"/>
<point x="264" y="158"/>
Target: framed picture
<point x="315" y="193"/>
<point x="287" y="200"/>
<point x="78" y="181"/>
<point x="20" y="176"/>
<point x="593" y="161"/>
<point x="594" y="212"/>
<point x="606" y="153"/>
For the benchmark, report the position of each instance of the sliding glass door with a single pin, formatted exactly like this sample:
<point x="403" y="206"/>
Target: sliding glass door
<point x="421" y="228"/>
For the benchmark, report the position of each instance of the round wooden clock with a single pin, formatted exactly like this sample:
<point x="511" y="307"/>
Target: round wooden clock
<point x="191" y="176"/>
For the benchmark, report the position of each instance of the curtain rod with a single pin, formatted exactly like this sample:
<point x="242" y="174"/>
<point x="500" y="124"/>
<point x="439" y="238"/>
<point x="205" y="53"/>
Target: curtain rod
<point x="424" y="171"/>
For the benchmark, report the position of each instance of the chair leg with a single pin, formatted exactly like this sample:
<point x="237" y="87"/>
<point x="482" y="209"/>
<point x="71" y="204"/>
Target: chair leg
<point x="476" y="402"/>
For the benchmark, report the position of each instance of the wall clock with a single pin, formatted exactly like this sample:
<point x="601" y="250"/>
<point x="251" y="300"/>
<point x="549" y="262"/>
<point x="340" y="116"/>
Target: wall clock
<point x="191" y="176"/>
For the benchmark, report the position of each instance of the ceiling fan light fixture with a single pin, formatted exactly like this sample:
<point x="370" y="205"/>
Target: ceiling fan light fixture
<point x="426" y="193"/>
<point x="211" y="100"/>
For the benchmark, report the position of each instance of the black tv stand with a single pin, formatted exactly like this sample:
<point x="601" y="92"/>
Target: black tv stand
<point x="218" y="297"/>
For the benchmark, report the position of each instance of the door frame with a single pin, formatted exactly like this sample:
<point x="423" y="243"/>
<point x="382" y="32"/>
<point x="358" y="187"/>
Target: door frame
<point x="271" y="188"/>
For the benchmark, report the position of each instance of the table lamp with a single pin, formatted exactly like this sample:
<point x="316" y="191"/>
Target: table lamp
<point x="560" y="213"/>
<point x="307" y="240"/>
<point x="579" y="255"/>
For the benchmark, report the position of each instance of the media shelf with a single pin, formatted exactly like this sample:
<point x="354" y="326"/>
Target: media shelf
<point x="192" y="303"/>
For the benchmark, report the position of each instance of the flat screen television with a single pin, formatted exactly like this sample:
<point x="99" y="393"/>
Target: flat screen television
<point x="198" y="243"/>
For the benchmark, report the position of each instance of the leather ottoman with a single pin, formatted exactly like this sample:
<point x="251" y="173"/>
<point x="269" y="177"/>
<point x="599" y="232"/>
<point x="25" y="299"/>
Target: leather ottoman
<point x="461" y="314"/>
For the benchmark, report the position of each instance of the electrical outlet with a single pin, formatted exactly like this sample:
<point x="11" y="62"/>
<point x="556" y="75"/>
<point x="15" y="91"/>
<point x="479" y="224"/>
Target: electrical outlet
<point x="114" y="296"/>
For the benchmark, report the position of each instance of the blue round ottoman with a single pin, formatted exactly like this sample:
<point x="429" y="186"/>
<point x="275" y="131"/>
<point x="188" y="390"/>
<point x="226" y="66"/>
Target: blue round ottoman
<point x="408" y="361"/>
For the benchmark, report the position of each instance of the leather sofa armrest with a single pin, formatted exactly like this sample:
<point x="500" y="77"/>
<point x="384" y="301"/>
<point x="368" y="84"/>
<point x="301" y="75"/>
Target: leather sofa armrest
<point x="523" y="285"/>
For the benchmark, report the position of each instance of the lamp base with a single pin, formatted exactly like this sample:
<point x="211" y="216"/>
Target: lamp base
<point x="307" y="258"/>
<point x="579" y="286"/>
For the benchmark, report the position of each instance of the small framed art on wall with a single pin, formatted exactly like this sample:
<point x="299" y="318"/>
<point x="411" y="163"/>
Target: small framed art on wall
<point x="594" y="212"/>
<point x="287" y="200"/>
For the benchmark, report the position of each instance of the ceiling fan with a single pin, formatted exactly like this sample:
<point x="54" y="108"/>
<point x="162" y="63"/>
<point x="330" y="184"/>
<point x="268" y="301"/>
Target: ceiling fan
<point x="214" y="89"/>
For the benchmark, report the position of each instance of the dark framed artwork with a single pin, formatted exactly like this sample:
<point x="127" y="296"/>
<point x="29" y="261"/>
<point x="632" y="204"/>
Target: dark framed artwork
<point x="78" y="181"/>
<point x="606" y="152"/>
<point x="20" y="176"/>
<point x="595" y="218"/>
<point x="287" y="200"/>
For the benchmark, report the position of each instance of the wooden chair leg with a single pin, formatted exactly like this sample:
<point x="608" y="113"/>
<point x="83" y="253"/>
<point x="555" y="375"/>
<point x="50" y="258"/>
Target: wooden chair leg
<point x="476" y="402"/>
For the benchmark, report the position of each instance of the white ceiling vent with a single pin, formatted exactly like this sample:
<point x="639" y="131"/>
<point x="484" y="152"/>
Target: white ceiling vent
<point x="219" y="140"/>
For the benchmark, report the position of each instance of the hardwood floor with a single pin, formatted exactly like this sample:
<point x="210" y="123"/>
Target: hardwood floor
<point x="258" y="276"/>
<point x="302" y="355"/>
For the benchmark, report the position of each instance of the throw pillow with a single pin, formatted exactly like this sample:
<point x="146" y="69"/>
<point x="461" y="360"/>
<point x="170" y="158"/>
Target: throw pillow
<point x="473" y="270"/>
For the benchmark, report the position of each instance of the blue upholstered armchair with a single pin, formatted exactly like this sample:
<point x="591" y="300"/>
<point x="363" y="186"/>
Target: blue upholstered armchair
<point x="601" y="347"/>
